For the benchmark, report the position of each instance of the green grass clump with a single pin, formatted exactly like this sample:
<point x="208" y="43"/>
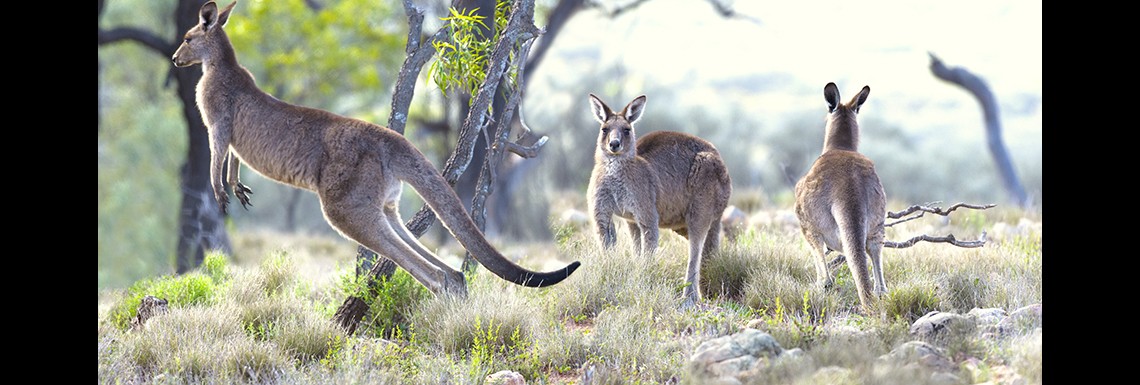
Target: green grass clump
<point x="619" y="317"/>
<point x="391" y="301"/>
<point x="910" y="300"/>
<point x="492" y="330"/>
<point x="198" y="343"/>
<point x="179" y="291"/>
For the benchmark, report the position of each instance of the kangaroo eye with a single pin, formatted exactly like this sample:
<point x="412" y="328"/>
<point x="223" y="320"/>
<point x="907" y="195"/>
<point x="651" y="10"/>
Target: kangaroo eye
<point x="186" y="40"/>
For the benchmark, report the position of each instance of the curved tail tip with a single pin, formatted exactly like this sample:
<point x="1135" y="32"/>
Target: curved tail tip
<point x="553" y="277"/>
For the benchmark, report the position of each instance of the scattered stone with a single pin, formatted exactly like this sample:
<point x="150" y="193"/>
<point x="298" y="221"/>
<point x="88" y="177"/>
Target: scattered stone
<point x="937" y="325"/>
<point x="733" y="222"/>
<point x="918" y="352"/>
<point x="575" y="218"/>
<point x="730" y="357"/>
<point x="1021" y="321"/>
<point x="505" y="377"/>
<point x="987" y="320"/>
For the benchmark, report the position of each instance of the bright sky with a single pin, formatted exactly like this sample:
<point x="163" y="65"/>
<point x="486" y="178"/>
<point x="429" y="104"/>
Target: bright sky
<point x="686" y="46"/>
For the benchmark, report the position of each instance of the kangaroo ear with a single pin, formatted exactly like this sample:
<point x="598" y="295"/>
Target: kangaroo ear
<point x="600" y="110"/>
<point x="633" y="110"/>
<point x="225" y="15"/>
<point x="859" y="99"/>
<point x="831" y="95"/>
<point x="208" y="15"/>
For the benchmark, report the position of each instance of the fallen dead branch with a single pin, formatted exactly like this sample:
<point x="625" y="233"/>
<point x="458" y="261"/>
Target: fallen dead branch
<point x="927" y="208"/>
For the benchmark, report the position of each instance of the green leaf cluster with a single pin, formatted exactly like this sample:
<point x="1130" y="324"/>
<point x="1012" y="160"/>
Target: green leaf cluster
<point x="461" y="63"/>
<point x="342" y="58"/>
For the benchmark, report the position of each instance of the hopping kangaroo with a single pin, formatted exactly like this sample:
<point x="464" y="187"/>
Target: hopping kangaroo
<point x="354" y="167"/>
<point x="664" y="179"/>
<point x="840" y="202"/>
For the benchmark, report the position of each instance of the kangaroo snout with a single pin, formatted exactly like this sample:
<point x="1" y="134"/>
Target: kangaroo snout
<point x="615" y="145"/>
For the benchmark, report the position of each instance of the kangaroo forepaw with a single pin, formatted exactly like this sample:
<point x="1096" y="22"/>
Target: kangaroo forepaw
<point x="243" y="192"/>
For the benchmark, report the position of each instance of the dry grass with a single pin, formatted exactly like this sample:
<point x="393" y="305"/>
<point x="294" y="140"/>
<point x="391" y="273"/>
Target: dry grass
<point x="617" y="316"/>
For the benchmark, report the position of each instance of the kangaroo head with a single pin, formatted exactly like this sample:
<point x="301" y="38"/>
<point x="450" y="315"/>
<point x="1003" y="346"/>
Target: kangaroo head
<point x="617" y="136"/>
<point x="201" y="43"/>
<point x="842" y="128"/>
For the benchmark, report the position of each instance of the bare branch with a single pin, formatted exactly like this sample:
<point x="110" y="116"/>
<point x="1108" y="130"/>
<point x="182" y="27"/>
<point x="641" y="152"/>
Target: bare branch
<point x="727" y="12"/>
<point x="520" y="27"/>
<point x="146" y="38"/>
<point x="946" y="239"/>
<point x="992" y="117"/>
<point x="418" y="55"/>
<point x="499" y="145"/>
<point x="839" y="260"/>
<point x="528" y="152"/>
<point x="933" y="210"/>
<point x="555" y="20"/>
<point x="616" y="11"/>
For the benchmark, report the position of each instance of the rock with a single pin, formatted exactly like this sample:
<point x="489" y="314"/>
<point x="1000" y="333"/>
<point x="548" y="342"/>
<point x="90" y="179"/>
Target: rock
<point x="1021" y="321"/>
<point x="575" y="219"/>
<point x="921" y="353"/>
<point x="505" y="377"/>
<point x="733" y="222"/>
<point x="727" y="357"/>
<point x="987" y="320"/>
<point x="938" y="325"/>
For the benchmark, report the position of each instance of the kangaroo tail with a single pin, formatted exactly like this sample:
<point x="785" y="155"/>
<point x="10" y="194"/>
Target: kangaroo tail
<point x="430" y="185"/>
<point x="852" y="223"/>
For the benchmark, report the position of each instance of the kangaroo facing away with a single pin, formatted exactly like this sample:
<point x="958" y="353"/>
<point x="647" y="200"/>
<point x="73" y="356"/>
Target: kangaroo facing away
<point x="354" y="167"/>
<point x="840" y="201"/>
<point x="665" y="179"/>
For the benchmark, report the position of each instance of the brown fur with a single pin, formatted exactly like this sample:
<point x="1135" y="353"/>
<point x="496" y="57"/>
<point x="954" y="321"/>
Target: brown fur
<point x="354" y="167"/>
<point x="841" y="204"/>
<point x="665" y="179"/>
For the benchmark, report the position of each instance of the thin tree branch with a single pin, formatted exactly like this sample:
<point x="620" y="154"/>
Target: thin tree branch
<point x="528" y="152"/>
<point x="727" y="12"/>
<point x="618" y="10"/>
<point x="487" y="176"/>
<point x="146" y="38"/>
<point x="418" y="55"/>
<point x="978" y="88"/>
<point x="933" y="210"/>
<point x="519" y="27"/>
<point x="945" y="239"/>
<point x="554" y="23"/>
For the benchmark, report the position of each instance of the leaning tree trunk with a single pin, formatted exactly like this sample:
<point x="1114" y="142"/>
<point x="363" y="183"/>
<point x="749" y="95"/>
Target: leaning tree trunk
<point x="519" y="30"/>
<point x="981" y="91"/>
<point x="201" y="225"/>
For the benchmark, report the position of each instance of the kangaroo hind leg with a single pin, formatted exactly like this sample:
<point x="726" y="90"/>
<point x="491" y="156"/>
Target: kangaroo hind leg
<point x="366" y="224"/>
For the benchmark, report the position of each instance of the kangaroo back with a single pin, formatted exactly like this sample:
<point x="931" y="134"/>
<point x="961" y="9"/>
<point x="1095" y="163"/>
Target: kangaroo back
<point x="840" y="201"/>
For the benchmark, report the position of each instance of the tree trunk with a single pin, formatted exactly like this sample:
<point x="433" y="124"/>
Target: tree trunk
<point x="977" y="87"/>
<point x="201" y="222"/>
<point x="201" y="225"/>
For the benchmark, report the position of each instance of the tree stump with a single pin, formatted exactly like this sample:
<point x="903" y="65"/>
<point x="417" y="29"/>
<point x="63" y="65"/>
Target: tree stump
<point x="149" y="307"/>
